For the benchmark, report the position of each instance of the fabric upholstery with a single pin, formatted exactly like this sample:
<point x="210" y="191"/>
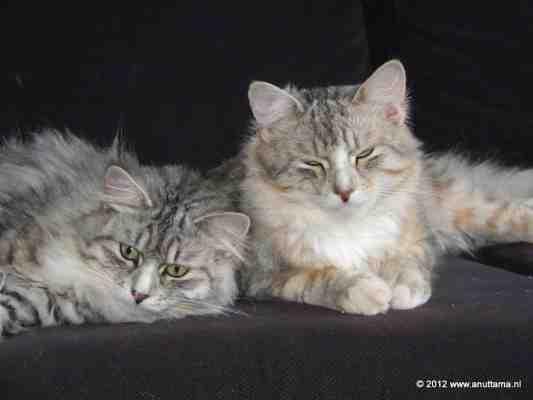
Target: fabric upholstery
<point x="175" y="80"/>
<point x="476" y="327"/>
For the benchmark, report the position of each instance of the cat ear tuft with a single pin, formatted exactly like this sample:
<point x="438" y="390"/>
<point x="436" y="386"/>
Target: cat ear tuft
<point x="229" y="229"/>
<point x="269" y="103"/>
<point x="387" y="86"/>
<point x="234" y="223"/>
<point x="121" y="190"/>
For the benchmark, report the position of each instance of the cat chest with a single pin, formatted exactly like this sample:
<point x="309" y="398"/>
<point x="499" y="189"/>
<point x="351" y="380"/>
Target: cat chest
<point x="347" y="245"/>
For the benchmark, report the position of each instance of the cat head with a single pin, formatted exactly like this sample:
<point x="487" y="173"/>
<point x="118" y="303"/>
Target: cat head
<point x="157" y="239"/>
<point x="338" y="147"/>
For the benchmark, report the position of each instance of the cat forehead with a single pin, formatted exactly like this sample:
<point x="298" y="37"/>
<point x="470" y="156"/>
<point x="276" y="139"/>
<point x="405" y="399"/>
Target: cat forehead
<point x="329" y="123"/>
<point x="153" y="226"/>
<point x="341" y="93"/>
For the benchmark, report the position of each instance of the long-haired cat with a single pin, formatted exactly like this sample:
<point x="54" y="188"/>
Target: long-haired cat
<point x="89" y="235"/>
<point x="347" y="210"/>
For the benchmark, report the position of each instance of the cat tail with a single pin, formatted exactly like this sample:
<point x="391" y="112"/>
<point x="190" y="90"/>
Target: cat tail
<point x="473" y="204"/>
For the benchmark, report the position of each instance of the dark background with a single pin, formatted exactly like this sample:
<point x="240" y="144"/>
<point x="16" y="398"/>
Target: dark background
<point x="176" y="78"/>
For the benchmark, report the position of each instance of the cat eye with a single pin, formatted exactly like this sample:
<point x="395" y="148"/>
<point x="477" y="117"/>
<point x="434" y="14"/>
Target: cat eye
<point x="173" y="270"/>
<point x="130" y="253"/>
<point x="364" y="154"/>
<point x="314" y="164"/>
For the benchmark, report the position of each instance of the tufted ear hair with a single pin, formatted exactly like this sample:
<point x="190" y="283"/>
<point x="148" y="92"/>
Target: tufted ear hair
<point x="237" y="224"/>
<point x="122" y="191"/>
<point x="269" y="103"/>
<point x="387" y="86"/>
<point x="228" y="228"/>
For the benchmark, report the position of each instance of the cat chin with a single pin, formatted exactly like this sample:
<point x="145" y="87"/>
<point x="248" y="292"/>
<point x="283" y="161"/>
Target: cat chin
<point x="357" y="204"/>
<point x="331" y="206"/>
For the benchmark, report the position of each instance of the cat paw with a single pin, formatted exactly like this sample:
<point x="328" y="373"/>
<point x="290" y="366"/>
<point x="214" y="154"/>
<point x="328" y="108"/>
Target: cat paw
<point x="367" y="295"/>
<point x="410" y="292"/>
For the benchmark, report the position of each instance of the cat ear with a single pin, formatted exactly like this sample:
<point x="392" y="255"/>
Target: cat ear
<point x="269" y="103"/>
<point x="386" y="86"/>
<point x="234" y="223"/>
<point x="121" y="190"/>
<point x="229" y="229"/>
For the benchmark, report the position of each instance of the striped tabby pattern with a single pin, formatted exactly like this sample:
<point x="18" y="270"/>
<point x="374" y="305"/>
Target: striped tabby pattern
<point x="89" y="235"/>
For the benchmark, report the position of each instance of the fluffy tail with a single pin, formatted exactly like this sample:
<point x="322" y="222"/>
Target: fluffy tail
<point x="473" y="204"/>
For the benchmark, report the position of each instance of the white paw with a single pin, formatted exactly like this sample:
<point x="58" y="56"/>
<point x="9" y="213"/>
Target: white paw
<point x="369" y="295"/>
<point x="410" y="295"/>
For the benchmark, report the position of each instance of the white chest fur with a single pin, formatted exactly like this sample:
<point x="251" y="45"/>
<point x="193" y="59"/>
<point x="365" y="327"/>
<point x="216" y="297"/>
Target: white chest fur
<point x="341" y="242"/>
<point x="308" y="236"/>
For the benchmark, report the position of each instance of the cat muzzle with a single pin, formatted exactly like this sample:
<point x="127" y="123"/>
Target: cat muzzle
<point x="138" y="296"/>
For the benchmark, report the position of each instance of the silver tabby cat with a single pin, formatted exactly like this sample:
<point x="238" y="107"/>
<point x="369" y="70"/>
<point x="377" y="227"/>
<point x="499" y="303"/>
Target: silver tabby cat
<point x="347" y="210"/>
<point x="89" y="235"/>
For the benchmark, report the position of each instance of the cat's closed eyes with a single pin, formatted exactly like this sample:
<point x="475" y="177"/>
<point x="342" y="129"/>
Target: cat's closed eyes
<point x="89" y="235"/>
<point x="347" y="210"/>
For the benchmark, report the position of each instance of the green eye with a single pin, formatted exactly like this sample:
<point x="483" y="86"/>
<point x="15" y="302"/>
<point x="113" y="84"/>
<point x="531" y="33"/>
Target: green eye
<point x="365" y="153"/>
<point x="314" y="163"/>
<point x="173" y="270"/>
<point x="130" y="253"/>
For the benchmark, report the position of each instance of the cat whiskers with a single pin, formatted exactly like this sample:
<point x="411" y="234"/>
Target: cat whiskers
<point x="193" y="306"/>
<point x="415" y="193"/>
<point x="3" y="281"/>
<point x="102" y="276"/>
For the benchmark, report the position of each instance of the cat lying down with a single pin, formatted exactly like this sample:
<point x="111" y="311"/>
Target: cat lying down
<point x="89" y="235"/>
<point x="348" y="211"/>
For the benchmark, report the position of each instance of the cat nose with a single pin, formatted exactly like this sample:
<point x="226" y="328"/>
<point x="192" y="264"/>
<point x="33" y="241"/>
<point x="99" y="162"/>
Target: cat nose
<point x="344" y="194"/>
<point x="138" y="296"/>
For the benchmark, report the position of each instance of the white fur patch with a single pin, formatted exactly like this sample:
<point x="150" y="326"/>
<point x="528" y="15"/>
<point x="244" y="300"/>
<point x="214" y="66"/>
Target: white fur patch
<point x="62" y="270"/>
<point x="410" y="291"/>
<point x="343" y="169"/>
<point x="312" y="235"/>
<point x="405" y="297"/>
<point x="368" y="296"/>
<point x="145" y="279"/>
<point x="347" y="243"/>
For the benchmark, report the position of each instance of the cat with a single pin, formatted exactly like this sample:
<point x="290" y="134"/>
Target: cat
<point x="347" y="210"/>
<point x="88" y="235"/>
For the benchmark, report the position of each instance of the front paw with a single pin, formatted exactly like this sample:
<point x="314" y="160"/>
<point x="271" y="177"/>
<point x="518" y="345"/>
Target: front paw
<point x="367" y="295"/>
<point x="411" y="290"/>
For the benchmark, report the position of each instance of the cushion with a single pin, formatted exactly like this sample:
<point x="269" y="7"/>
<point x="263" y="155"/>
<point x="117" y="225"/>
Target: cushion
<point x="516" y="257"/>
<point x="478" y="326"/>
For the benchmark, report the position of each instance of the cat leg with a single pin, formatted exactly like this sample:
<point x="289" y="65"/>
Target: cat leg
<point x="351" y="292"/>
<point x="411" y="291"/>
<point x="409" y="276"/>
<point x="18" y="308"/>
<point x="9" y="325"/>
<point x="411" y="288"/>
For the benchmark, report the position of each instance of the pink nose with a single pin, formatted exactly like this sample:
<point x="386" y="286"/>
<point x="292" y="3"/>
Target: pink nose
<point x="344" y="194"/>
<point x="138" y="296"/>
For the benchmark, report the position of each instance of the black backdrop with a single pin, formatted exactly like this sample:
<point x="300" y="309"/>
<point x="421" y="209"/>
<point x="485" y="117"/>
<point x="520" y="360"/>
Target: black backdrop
<point x="176" y="78"/>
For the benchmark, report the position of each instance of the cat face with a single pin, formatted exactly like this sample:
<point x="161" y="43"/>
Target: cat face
<point x="338" y="147"/>
<point x="162" y="255"/>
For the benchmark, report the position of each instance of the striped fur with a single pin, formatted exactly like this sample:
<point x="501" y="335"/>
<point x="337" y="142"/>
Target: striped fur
<point x="348" y="211"/>
<point x="67" y="209"/>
